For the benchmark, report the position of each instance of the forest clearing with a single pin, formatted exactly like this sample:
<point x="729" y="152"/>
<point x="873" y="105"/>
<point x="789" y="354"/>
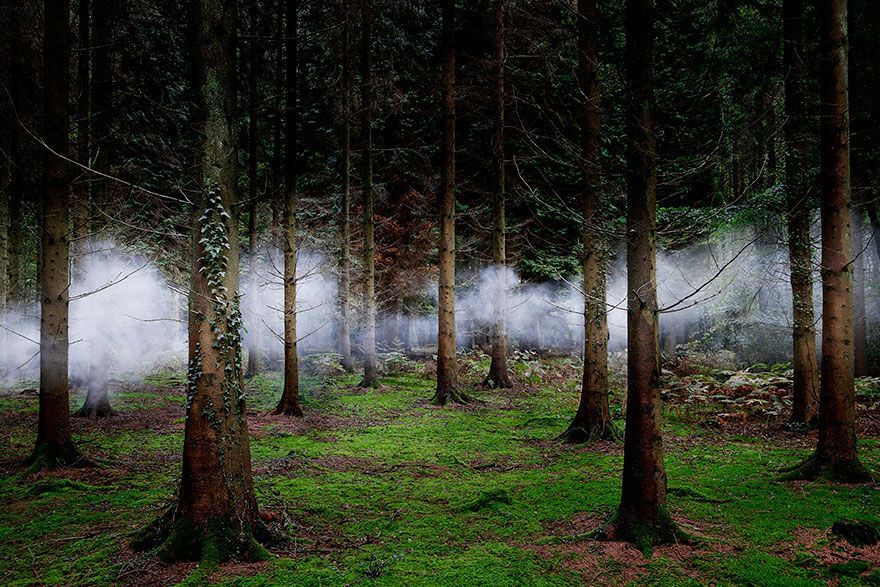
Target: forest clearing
<point x="484" y="293"/>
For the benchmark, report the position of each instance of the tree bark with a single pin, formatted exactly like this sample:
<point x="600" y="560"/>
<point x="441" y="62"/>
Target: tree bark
<point x="216" y="514"/>
<point x="836" y="454"/>
<point x="593" y="420"/>
<point x="344" y="329"/>
<point x="446" y="361"/>
<point x="289" y="403"/>
<point x="54" y="446"/>
<point x="81" y="202"/>
<point x="642" y="517"/>
<point x="253" y="363"/>
<point x="16" y="175"/>
<point x="371" y="369"/>
<point x="805" y="392"/>
<point x="498" y="374"/>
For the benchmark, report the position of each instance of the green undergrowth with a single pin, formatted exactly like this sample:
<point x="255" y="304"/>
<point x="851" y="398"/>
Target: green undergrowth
<point x="382" y="488"/>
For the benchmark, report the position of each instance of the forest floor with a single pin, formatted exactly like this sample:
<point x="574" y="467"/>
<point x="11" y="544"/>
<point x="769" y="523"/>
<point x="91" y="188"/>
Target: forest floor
<point x="378" y="487"/>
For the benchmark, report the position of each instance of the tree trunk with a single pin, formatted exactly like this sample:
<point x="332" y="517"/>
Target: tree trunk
<point x="101" y="104"/>
<point x="344" y="329"/>
<point x="54" y="446"/>
<point x="498" y="374"/>
<point x="805" y="392"/>
<point x="216" y="513"/>
<point x="16" y="176"/>
<point x="642" y="517"/>
<point x="836" y="454"/>
<point x="371" y="370"/>
<point x="593" y="420"/>
<point x="289" y="405"/>
<point x="253" y="364"/>
<point x="81" y="202"/>
<point x="446" y="361"/>
<point x="860" y="320"/>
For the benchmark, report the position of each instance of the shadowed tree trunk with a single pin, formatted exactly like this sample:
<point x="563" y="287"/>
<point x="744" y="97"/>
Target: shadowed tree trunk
<point x="860" y="320"/>
<point x="446" y="362"/>
<point x="253" y="364"/>
<point x="805" y="391"/>
<point x="371" y="370"/>
<point x="54" y="446"/>
<point x="277" y="198"/>
<point x="81" y="200"/>
<point x="95" y="145"/>
<point x="498" y="374"/>
<point x="215" y="516"/>
<point x="641" y="517"/>
<point x="289" y="403"/>
<point x="592" y="421"/>
<point x="836" y="454"/>
<point x="344" y="331"/>
<point x="16" y="176"/>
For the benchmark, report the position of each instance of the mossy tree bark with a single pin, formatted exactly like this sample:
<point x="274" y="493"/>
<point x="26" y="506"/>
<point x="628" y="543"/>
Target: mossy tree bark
<point x="498" y="375"/>
<point x="641" y="517"/>
<point x="592" y="420"/>
<point x="54" y="446"/>
<point x="216" y="513"/>
<point x="836" y="454"/>
<point x="371" y="368"/>
<point x="289" y="404"/>
<point x="446" y="361"/>
<point x="805" y="391"/>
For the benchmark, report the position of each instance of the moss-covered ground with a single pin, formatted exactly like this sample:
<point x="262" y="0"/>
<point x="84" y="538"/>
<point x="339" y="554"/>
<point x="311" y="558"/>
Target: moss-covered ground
<point x="378" y="487"/>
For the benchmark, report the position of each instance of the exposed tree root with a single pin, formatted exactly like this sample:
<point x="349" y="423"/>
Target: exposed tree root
<point x="582" y="432"/>
<point x="368" y="383"/>
<point x="288" y="408"/>
<point x="815" y="467"/>
<point x="97" y="405"/>
<point x="451" y="395"/>
<point x="624" y="527"/>
<point x="48" y="456"/>
<point x="174" y="538"/>
<point x="498" y="377"/>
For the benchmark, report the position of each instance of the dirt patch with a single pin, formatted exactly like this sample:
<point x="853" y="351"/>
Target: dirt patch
<point x="826" y="549"/>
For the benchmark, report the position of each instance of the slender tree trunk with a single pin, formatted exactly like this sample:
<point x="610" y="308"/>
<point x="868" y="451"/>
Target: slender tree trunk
<point x="593" y="420"/>
<point x="101" y="104"/>
<point x="836" y="454"/>
<point x="81" y="202"/>
<point x="344" y="331"/>
<point x="253" y="364"/>
<point x="371" y="369"/>
<point x="498" y="374"/>
<point x="860" y="319"/>
<point x="805" y="400"/>
<point x="16" y="175"/>
<point x="54" y="446"/>
<point x="642" y="516"/>
<point x="289" y="403"/>
<point x="277" y="198"/>
<point x="446" y="361"/>
<point x="216" y="513"/>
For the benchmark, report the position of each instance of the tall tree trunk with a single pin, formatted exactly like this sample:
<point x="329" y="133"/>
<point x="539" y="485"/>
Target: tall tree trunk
<point x="277" y="199"/>
<point x="836" y="454"/>
<point x="498" y="375"/>
<point x="54" y="446"/>
<point x="81" y="201"/>
<point x="860" y="319"/>
<point x="216" y="513"/>
<point x="344" y="330"/>
<point x="95" y="144"/>
<point x="16" y="174"/>
<point x="101" y="103"/>
<point x="805" y="393"/>
<point x="289" y="402"/>
<point x="253" y="364"/>
<point x="446" y="361"/>
<point x="593" y="420"/>
<point x="371" y="369"/>
<point x="642" y="516"/>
